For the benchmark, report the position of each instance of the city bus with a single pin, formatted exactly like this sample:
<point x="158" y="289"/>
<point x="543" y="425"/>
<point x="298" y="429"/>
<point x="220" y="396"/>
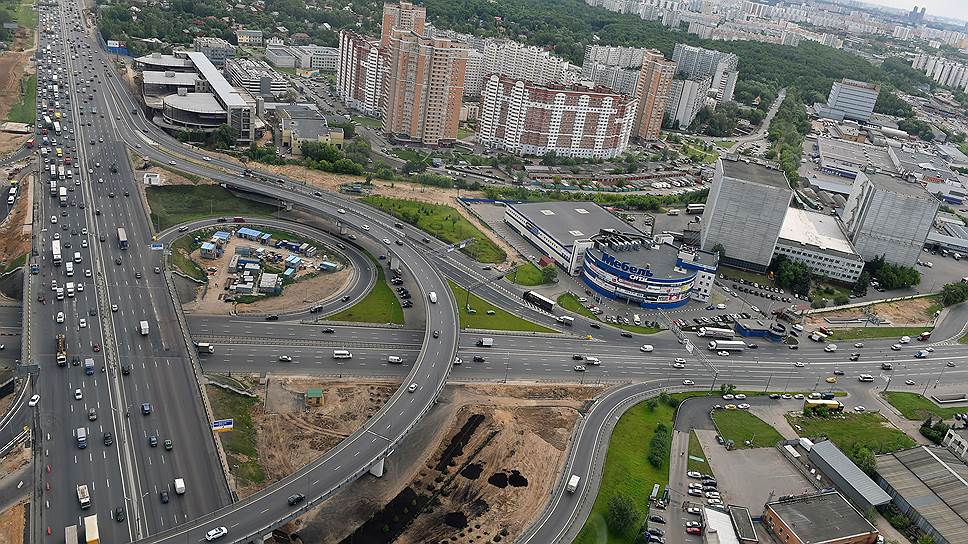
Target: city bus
<point x="539" y="300"/>
<point x="56" y="252"/>
<point x="122" y="238"/>
<point x="53" y="188"/>
<point x="53" y="171"/>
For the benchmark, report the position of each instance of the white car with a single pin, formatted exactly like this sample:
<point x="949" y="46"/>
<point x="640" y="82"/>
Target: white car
<point x="858" y="344"/>
<point x="860" y="409"/>
<point x="678" y="365"/>
<point x="457" y="360"/>
<point x="646" y="348"/>
<point x="799" y="364"/>
<point x="33" y="401"/>
<point x="215" y="533"/>
<point x="80" y="287"/>
<point x="798" y="396"/>
<point x="285" y="358"/>
<point x="739" y="396"/>
<point x="830" y="348"/>
<point x="412" y="388"/>
<point x="83" y="243"/>
<point x="171" y="163"/>
<point x="680" y="360"/>
<point x="579" y="368"/>
<point x="386" y="241"/>
<point x="743" y="406"/>
<point x="688" y="382"/>
<point x="909" y="382"/>
<point x="728" y="396"/>
<point x="341" y="210"/>
<point x="723" y="353"/>
<point x="53" y="220"/>
<point x="114" y="307"/>
<point x="87" y="273"/>
<point x="694" y="474"/>
<point x="60" y="317"/>
<point x="78" y="395"/>
<point x="82" y="323"/>
<point x="206" y="158"/>
<point x="365" y="227"/>
<point x="896" y="347"/>
<point x="755" y="309"/>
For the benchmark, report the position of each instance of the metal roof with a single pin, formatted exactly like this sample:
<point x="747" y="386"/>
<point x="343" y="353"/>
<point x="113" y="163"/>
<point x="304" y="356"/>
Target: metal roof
<point x="216" y="80"/>
<point x="821" y="517"/>
<point x="935" y="483"/>
<point x="855" y="477"/>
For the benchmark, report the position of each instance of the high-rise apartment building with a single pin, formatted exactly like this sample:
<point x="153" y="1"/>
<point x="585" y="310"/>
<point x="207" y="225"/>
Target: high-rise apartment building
<point x="686" y="98"/>
<point x="360" y="73"/>
<point x="698" y="63"/>
<point x="854" y="99"/>
<point x="474" y="73"/>
<point x="424" y="89"/>
<point x="652" y="92"/>
<point x="745" y="211"/>
<point x="519" y="61"/>
<point x="525" y="118"/>
<point x="614" y="67"/>
<point x="889" y="217"/>
<point x="403" y="16"/>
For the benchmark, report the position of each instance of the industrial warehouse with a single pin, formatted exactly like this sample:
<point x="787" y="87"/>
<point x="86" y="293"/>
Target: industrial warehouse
<point x="612" y="257"/>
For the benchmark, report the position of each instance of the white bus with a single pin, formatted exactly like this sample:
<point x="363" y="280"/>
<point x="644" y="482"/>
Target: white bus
<point x="57" y="127"/>
<point x="342" y="354"/>
<point x="56" y="251"/>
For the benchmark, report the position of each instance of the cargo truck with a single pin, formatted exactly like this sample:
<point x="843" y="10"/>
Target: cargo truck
<point x="91" y="535"/>
<point x="205" y="347"/>
<point x="61" y="350"/>
<point x="83" y="496"/>
<point x="924" y="336"/>
<point x="70" y="535"/>
<point x="486" y="342"/>
<point x="573" y="483"/>
<point x="727" y="345"/>
<point x="565" y="320"/>
<point x="713" y="332"/>
<point x="143" y="327"/>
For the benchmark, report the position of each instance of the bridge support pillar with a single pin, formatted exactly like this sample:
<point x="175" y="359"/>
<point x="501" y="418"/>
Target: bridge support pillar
<point x="377" y="468"/>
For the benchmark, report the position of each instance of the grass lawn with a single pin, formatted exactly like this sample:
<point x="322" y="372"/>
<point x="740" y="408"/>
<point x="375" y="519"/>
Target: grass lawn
<point x="850" y="430"/>
<point x="379" y="306"/>
<point x="628" y="471"/>
<point x="444" y="223"/>
<point x="934" y="308"/>
<point x="239" y="443"/>
<point x="740" y="426"/>
<point x="368" y="122"/>
<point x="27" y="16"/>
<point x="501" y="320"/>
<point x="17" y="262"/>
<point x="876" y="332"/>
<point x="528" y="275"/>
<point x="176" y="204"/>
<point x="695" y="453"/>
<point x="25" y="110"/>
<point x="571" y="303"/>
<point x="917" y="408"/>
<point x="734" y="273"/>
<point x="463" y="133"/>
<point x="726" y="144"/>
<point x="963" y="339"/>
<point x="181" y="248"/>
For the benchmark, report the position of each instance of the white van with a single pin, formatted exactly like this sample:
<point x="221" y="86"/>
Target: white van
<point x="77" y="256"/>
<point x="395" y="359"/>
<point x="342" y="354"/>
<point x="433" y="297"/>
<point x="594" y="361"/>
<point x="69" y="267"/>
<point x="180" y="486"/>
<point x="865" y="378"/>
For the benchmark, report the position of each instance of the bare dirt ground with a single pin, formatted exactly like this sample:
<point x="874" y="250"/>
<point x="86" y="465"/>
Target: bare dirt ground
<point x="305" y="292"/>
<point x="14" y="239"/>
<point x="490" y="464"/>
<point x="289" y="439"/>
<point x="10" y="142"/>
<point x="12" y="525"/>
<point x="15" y="460"/>
<point x="902" y="312"/>
<point x="13" y="65"/>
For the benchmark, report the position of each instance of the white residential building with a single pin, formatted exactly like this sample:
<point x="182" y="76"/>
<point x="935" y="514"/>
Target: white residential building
<point x="686" y="98"/>
<point x="360" y="73"/>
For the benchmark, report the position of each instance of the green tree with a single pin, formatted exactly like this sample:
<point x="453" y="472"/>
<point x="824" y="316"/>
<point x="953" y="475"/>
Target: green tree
<point x="549" y="273"/>
<point x="954" y="293"/>
<point x="864" y="458"/>
<point x="719" y="250"/>
<point x="225" y="136"/>
<point x="621" y="513"/>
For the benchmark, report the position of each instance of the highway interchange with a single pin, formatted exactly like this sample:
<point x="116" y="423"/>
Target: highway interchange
<point x="130" y="474"/>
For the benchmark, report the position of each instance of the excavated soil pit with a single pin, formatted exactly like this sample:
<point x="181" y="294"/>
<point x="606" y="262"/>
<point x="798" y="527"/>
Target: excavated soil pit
<point x="390" y="522"/>
<point x="457" y="443"/>
<point x="472" y="471"/>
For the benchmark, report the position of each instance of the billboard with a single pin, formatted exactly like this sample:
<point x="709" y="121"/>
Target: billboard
<point x="223" y="425"/>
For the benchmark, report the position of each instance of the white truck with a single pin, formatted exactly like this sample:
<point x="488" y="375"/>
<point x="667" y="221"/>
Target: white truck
<point x="180" y="486"/>
<point x="486" y="342"/>
<point x="83" y="496"/>
<point x="727" y="345"/>
<point x="205" y="347"/>
<point x="565" y="320"/>
<point x="573" y="483"/>
<point x="143" y="327"/>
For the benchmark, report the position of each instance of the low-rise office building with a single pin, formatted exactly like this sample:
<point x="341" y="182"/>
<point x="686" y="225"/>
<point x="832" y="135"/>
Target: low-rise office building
<point x="248" y="37"/>
<point x="256" y="77"/>
<point x="310" y="57"/>
<point x="215" y="49"/>
<point x="818" y="240"/>
<point x="300" y="124"/>
<point x="164" y="63"/>
<point x="817" y="518"/>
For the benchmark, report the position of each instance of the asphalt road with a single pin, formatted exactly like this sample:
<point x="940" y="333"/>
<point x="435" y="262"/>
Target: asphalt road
<point x="129" y="473"/>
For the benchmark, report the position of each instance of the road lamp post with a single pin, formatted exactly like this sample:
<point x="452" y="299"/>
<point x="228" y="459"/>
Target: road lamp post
<point x="715" y="377"/>
<point x="770" y="379"/>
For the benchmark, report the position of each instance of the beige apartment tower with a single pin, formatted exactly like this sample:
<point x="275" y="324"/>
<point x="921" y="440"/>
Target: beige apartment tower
<point x="403" y="16"/>
<point x="652" y="91"/>
<point x="424" y="88"/>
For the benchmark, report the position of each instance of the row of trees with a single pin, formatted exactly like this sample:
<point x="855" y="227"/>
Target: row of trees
<point x="626" y="201"/>
<point x="892" y="276"/>
<point x="789" y="126"/>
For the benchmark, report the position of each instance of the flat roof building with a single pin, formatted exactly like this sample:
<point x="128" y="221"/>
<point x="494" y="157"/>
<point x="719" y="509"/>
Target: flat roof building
<point x="845" y="158"/>
<point x="216" y="49"/>
<point x="745" y="211"/>
<point x="300" y="124"/>
<point x="849" y="479"/>
<point x="817" y="518"/>
<point x="157" y="84"/>
<point x="929" y="485"/>
<point x="164" y="63"/>
<point x="818" y="240"/>
<point x="886" y="216"/>
<point x="256" y="77"/>
<point x="248" y="37"/>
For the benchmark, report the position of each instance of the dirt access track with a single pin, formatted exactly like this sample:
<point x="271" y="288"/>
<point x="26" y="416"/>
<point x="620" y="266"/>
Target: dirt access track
<point x="899" y="313"/>
<point x="485" y="468"/>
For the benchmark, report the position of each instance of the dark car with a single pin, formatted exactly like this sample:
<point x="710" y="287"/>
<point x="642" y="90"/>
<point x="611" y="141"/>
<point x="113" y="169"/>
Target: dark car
<point x="656" y="519"/>
<point x="153" y="441"/>
<point x="479" y="359"/>
<point x="656" y="531"/>
<point x="794" y="346"/>
<point x="752" y="346"/>
<point x="436" y="334"/>
<point x="119" y="514"/>
<point x="774" y="396"/>
<point x="146" y="408"/>
<point x="126" y="369"/>
<point x="627" y="335"/>
<point x="577" y="357"/>
<point x="272" y="317"/>
<point x="92" y="312"/>
<point x="596" y="326"/>
<point x="117" y="260"/>
<point x="838" y="372"/>
<point x="295" y="499"/>
<point x="108" y="439"/>
<point x="163" y="496"/>
<point x="328" y="330"/>
<point x="345" y="298"/>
